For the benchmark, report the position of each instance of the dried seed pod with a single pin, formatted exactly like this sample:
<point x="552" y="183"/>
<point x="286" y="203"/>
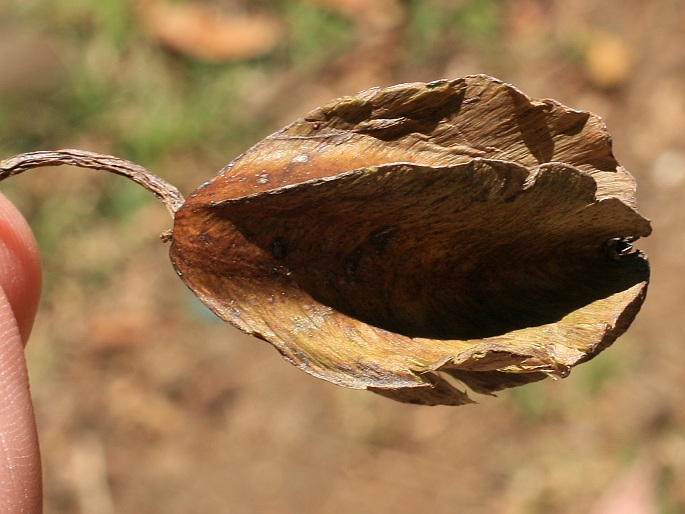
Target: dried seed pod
<point x="412" y="235"/>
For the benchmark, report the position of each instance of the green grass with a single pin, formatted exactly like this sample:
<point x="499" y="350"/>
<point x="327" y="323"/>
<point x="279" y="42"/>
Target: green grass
<point x="315" y="34"/>
<point x="472" y="23"/>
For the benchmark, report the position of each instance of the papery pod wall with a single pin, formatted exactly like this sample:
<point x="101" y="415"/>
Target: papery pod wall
<point x="409" y="236"/>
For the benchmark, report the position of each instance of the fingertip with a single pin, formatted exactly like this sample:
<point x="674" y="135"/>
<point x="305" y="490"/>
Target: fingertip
<point x="20" y="270"/>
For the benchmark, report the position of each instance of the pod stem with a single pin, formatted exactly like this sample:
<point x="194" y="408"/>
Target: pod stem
<point x="167" y="193"/>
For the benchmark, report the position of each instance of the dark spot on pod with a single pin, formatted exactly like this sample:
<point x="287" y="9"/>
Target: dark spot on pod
<point x="352" y="262"/>
<point x="279" y="249"/>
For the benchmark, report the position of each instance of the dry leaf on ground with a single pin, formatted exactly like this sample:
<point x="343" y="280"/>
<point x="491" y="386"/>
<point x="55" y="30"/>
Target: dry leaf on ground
<point x="200" y="32"/>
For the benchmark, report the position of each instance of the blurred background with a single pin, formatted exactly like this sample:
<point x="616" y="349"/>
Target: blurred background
<point x="148" y="403"/>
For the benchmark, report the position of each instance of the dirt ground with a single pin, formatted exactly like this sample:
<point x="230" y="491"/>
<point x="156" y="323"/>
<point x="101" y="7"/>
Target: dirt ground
<point x="146" y="403"/>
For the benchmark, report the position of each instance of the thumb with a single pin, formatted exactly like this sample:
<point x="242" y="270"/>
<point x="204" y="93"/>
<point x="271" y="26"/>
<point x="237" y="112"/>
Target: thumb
<point x="20" y="475"/>
<point x="20" y="275"/>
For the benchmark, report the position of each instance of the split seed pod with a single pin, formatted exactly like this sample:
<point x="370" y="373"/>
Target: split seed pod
<point x="409" y="236"/>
